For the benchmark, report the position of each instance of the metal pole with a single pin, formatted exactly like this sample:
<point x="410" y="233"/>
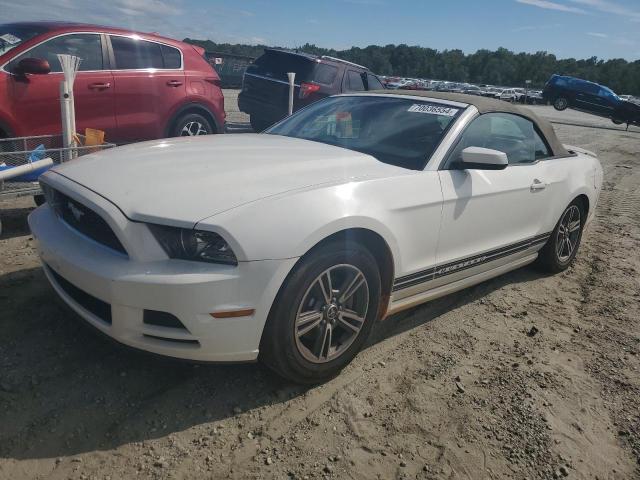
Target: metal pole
<point x="292" y="85"/>
<point x="67" y="134"/>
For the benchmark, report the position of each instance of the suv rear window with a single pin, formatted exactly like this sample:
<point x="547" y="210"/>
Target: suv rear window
<point x="277" y="64"/>
<point x="325" y="74"/>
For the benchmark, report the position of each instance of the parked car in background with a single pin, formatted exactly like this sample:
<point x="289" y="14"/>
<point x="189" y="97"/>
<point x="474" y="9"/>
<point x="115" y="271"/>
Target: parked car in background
<point x="630" y="98"/>
<point x="509" y="95"/>
<point x="293" y="243"/>
<point x="472" y="90"/>
<point x="133" y="86"/>
<point x="569" y="92"/>
<point x="265" y="89"/>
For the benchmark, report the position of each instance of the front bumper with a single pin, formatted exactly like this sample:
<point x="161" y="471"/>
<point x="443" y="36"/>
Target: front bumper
<point x="189" y="291"/>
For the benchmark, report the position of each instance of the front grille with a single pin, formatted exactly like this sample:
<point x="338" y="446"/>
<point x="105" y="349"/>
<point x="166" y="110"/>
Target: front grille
<point x="100" y="309"/>
<point x="84" y="220"/>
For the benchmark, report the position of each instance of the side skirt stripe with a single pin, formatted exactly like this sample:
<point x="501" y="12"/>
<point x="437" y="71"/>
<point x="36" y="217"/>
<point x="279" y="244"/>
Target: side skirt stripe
<point x="438" y="271"/>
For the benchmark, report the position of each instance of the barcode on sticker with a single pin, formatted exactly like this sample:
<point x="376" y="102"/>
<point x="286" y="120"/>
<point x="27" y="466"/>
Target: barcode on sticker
<point x="433" y="109"/>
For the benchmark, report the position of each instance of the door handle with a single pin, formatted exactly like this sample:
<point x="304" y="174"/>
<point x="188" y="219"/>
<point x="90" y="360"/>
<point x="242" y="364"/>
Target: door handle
<point x="99" y="86"/>
<point x="537" y="185"/>
<point x="174" y="83"/>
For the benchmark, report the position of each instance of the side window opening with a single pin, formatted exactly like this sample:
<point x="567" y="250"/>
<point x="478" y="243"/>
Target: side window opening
<point x="87" y="46"/>
<point x="355" y="83"/>
<point x="514" y="135"/>
<point x="133" y="54"/>
<point x="171" y="57"/>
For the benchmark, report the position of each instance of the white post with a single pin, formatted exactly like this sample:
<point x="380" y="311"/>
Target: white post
<point x="65" y="116"/>
<point x="292" y="77"/>
<point x="70" y="65"/>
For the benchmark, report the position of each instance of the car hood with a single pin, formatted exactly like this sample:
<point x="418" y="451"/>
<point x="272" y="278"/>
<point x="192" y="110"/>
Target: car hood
<point x="181" y="181"/>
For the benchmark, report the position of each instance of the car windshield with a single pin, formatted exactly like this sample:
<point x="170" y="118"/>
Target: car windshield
<point x="13" y="34"/>
<point x="398" y="131"/>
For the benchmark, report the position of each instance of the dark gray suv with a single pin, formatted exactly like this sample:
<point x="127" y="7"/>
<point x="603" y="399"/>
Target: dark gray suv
<point x="265" y="88"/>
<point x="569" y="92"/>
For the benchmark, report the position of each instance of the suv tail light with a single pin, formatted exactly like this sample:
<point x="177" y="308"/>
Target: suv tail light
<point x="307" y="89"/>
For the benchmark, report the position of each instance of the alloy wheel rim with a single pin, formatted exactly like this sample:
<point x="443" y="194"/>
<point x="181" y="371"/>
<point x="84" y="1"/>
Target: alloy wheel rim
<point x="192" y="129"/>
<point x="561" y="103"/>
<point x="568" y="233"/>
<point x="332" y="313"/>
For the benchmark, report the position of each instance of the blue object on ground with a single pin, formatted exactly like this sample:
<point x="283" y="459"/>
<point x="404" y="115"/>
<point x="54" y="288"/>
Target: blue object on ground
<point x="39" y="153"/>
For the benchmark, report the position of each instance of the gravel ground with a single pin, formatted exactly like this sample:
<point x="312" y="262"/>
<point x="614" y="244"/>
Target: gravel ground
<point x="525" y="376"/>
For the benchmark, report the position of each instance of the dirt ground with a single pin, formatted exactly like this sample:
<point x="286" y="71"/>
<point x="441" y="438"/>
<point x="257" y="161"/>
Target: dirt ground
<point x="525" y="376"/>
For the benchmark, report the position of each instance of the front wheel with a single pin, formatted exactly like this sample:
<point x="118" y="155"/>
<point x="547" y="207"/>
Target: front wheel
<point x="617" y="122"/>
<point x="561" y="104"/>
<point x="562" y="247"/>
<point x="191" y="125"/>
<point x="323" y="314"/>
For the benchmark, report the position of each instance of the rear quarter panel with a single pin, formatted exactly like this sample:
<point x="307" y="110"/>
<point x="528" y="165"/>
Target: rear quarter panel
<point x="197" y="72"/>
<point x="567" y="178"/>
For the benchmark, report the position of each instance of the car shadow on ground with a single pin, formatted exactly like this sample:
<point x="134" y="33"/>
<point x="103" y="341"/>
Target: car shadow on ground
<point x="14" y="222"/>
<point x="65" y="389"/>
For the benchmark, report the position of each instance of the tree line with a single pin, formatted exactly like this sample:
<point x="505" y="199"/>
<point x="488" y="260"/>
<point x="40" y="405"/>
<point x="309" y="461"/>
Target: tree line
<point x="499" y="67"/>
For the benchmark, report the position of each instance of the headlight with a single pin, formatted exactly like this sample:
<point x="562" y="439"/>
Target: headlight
<point x="195" y="245"/>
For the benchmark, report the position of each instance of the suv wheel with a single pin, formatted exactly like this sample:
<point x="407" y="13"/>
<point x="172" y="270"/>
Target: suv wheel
<point x="617" y="122"/>
<point x="560" y="104"/>
<point x="323" y="313"/>
<point x="192" y="124"/>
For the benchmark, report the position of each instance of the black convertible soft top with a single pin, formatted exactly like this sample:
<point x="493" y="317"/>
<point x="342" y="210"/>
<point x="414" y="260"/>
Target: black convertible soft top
<point x="490" y="105"/>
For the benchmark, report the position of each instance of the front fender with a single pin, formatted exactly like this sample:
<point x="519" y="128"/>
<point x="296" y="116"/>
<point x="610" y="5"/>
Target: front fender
<point x="404" y="211"/>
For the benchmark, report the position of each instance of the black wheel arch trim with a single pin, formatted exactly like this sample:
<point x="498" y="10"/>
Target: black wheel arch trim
<point x="196" y="108"/>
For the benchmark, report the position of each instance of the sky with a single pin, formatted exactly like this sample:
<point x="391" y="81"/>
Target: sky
<point x="567" y="28"/>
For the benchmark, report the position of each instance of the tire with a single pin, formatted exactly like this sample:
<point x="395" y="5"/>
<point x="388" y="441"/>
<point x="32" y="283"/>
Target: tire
<point x="259" y="124"/>
<point x="555" y="256"/>
<point x="192" y="124"/>
<point x="294" y="342"/>
<point x="39" y="200"/>
<point x="617" y="122"/>
<point x="560" y="104"/>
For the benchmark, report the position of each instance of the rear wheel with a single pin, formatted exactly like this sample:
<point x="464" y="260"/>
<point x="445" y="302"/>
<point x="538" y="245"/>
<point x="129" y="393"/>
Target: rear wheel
<point x="191" y="125"/>
<point x="560" y="104"/>
<point x="323" y="314"/>
<point x="562" y="247"/>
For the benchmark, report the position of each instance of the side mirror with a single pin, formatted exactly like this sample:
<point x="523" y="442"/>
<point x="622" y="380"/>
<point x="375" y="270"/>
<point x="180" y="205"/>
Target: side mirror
<point x="479" y="158"/>
<point x="33" y="66"/>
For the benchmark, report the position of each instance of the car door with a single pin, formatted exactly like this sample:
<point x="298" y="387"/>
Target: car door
<point x="146" y="89"/>
<point x="492" y="217"/>
<point x="35" y="99"/>
<point x="588" y="98"/>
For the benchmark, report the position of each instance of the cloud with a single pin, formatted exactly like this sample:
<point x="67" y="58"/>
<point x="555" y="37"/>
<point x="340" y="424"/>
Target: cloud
<point x="607" y="6"/>
<point x="544" y="26"/>
<point x="552" y="6"/>
<point x="598" y="35"/>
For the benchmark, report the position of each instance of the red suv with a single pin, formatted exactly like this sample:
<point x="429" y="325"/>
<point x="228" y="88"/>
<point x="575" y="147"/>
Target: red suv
<point x="134" y="86"/>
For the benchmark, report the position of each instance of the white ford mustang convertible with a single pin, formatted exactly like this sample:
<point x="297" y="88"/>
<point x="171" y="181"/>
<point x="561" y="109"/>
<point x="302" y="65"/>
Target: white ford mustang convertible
<point x="287" y="246"/>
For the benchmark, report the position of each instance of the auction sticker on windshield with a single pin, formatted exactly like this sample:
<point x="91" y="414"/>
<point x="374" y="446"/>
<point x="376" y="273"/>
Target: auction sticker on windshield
<point x="433" y="109"/>
<point x="11" y="39"/>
